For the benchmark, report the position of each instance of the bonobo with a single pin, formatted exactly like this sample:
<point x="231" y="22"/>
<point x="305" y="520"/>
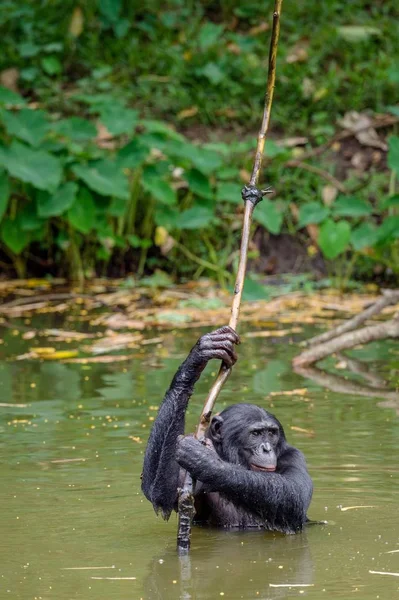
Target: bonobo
<point x="246" y="473"/>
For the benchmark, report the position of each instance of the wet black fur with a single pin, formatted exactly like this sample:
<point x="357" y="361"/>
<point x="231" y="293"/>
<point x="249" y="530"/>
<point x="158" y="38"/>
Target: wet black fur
<point x="227" y="493"/>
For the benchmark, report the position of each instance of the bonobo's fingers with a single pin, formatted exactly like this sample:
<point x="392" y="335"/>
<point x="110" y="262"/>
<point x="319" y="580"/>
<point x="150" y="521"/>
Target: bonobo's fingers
<point x="218" y="344"/>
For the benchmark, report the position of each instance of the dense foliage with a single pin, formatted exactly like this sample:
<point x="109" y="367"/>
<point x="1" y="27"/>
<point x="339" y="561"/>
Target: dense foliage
<point x="93" y="178"/>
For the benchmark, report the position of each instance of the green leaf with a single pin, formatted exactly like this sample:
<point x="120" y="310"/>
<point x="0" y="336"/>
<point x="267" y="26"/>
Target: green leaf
<point x="334" y="238"/>
<point x="197" y="217"/>
<point x="209" y="34"/>
<point x="132" y="155"/>
<point x="137" y="242"/>
<point x="166" y="216"/>
<point x="312" y="213"/>
<point x="357" y="33"/>
<point x="350" y="206"/>
<point x="104" y="177"/>
<point x="118" y="119"/>
<point x="364" y="236"/>
<point x="199" y="184"/>
<point x="268" y="216"/>
<point x="229" y="192"/>
<point x="75" y="129"/>
<point x="388" y="231"/>
<point x="12" y="236"/>
<point x="37" y="167"/>
<point x="213" y="73"/>
<point x="51" y="65"/>
<point x="82" y="214"/>
<point x="390" y="202"/>
<point x="393" y="153"/>
<point x="28" y="125"/>
<point x="158" y="188"/>
<point x="9" y="98"/>
<point x="28" y="219"/>
<point x="4" y="193"/>
<point x="53" y="205"/>
<point x="110" y="9"/>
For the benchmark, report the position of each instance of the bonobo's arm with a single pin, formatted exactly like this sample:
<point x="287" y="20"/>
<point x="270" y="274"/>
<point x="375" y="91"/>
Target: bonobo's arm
<point x="161" y="470"/>
<point x="281" y="499"/>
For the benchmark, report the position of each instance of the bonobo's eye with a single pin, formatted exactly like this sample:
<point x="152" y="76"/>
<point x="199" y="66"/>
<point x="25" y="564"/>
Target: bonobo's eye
<point x="273" y="430"/>
<point x="256" y="432"/>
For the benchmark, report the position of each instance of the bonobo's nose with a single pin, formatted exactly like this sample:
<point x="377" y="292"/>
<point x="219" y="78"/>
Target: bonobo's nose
<point x="266" y="447"/>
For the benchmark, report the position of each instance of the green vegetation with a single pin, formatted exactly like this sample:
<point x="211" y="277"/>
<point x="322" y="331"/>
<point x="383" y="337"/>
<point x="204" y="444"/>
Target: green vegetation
<point x="98" y="170"/>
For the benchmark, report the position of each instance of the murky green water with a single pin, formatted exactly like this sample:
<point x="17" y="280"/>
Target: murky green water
<point x="72" y="516"/>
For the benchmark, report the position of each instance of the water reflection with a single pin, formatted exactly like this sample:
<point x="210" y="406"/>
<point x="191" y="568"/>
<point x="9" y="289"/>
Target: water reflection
<point x="234" y="565"/>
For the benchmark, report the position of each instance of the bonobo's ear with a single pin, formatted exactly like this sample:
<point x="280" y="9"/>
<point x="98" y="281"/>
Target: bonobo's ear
<point x="216" y="427"/>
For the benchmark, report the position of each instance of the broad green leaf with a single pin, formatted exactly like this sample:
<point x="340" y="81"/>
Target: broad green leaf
<point x="75" y="129"/>
<point x="51" y="65"/>
<point x="27" y="125"/>
<point x="110" y="9"/>
<point x="334" y="238"/>
<point x="350" y="206"/>
<point x="153" y="126"/>
<point x="137" y="242"/>
<point x="312" y="213"/>
<point x="28" y="49"/>
<point x="132" y="155"/>
<point x="206" y="161"/>
<point x="82" y="214"/>
<point x="272" y="149"/>
<point x="209" y="34"/>
<point x="364" y="236"/>
<point x="388" y="231"/>
<point x="390" y="202"/>
<point x="213" y="73"/>
<point x="37" y="167"/>
<point x="197" y="217"/>
<point x="199" y="184"/>
<point x="9" y="98"/>
<point x="28" y="219"/>
<point x="12" y="236"/>
<point x="166" y="216"/>
<point x="266" y="214"/>
<point x="4" y="193"/>
<point x="229" y="192"/>
<point x="118" y="119"/>
<point x="158" y="188"/>
<point x="357" y="33"/>
<point x="53" y="205"/>
<point x="104" y="177"/>
<point x="117" y="207"/>
<point x="393" y="153"/>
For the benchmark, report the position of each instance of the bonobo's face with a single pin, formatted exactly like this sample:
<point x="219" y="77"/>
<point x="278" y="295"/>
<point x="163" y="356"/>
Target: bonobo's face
<point x="248" y="435"/>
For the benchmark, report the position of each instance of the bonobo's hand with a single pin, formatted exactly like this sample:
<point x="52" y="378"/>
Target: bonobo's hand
<point x="193" y="455"/>
<point x="217" y="344"/>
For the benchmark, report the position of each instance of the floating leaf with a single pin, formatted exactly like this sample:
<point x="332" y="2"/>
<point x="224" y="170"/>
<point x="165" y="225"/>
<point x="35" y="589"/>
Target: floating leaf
<point x="268" y="216"/>
<point x="334" y="238"/>
<point x="75" y="129"/>
<point x="199" y="184"/>
<point x="4" y="193"/>
<point x="312" y="213"/>
<point x="82" y="214"/>
<point x="12" y="236"/>
<point x="350" y="206"/>
<point x="27" y="125"/>
<point x="104" y="177"/>
<point x="53" y="205"/>
<point x="37" y="167"/>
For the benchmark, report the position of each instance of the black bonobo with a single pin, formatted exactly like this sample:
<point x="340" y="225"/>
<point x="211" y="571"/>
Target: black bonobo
<point x="246" y="473"/>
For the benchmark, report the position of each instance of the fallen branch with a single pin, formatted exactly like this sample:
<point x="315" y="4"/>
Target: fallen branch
<point x="317" y="171"/>
<point x="251" y="196"/>
<point x="389" y="329"/>
<point x="389" y="298"/>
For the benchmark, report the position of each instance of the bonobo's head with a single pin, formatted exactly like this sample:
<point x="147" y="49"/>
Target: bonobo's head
<point x="248" y="435"/>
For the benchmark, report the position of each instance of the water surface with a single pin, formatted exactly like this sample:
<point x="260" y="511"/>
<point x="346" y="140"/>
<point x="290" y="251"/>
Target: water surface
<point x="73" y="518"/>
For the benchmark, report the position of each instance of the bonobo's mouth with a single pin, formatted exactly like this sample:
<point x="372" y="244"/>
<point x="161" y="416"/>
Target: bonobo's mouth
<point x="259" y="468"/>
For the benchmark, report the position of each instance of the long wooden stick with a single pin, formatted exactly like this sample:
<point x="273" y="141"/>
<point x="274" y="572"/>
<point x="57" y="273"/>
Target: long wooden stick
<point x="251" y="196"/>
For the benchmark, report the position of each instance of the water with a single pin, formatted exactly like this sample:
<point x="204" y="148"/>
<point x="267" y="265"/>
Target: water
<point x="73" y="518"/>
